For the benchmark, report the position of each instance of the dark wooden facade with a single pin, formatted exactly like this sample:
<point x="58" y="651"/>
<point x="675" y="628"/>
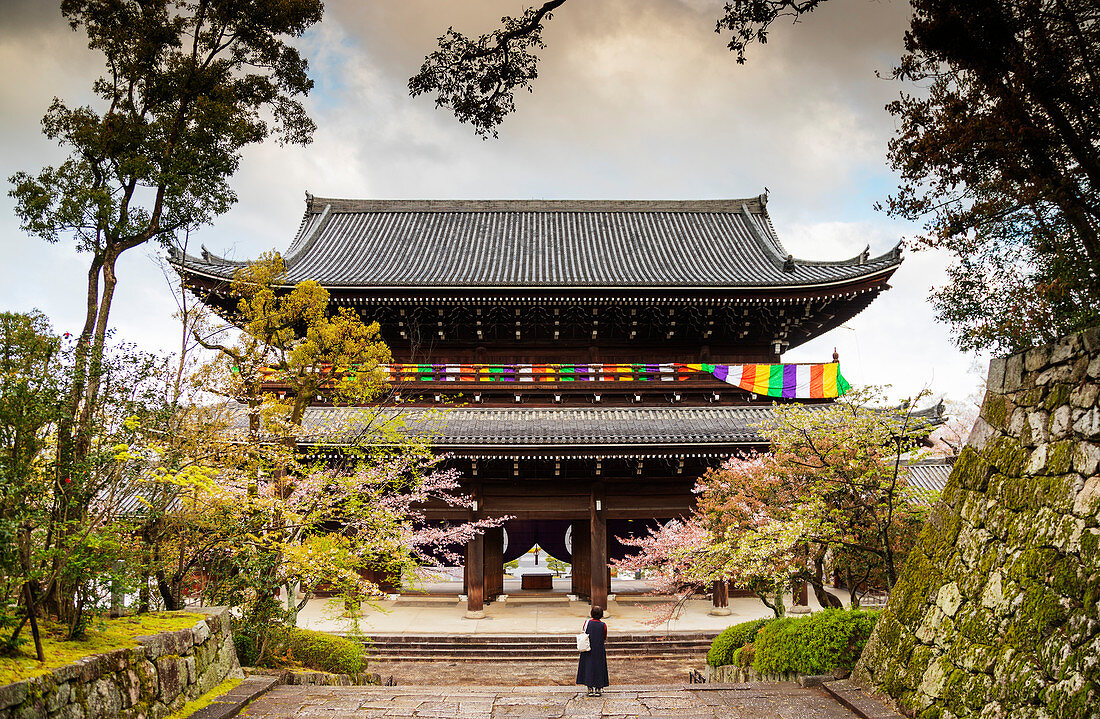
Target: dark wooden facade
<point x="563" y="282"/>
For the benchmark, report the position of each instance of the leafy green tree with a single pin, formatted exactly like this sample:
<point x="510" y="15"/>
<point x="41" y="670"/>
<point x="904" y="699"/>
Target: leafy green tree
<point x="30" y="392"/>
<point x="188" y="85"/>
<point x="44" y="554"/>
<point x="477" y="79"/>
<point x="252" y="515"/>
<point x="996" y="150"/>
<point x="833" y="488"/>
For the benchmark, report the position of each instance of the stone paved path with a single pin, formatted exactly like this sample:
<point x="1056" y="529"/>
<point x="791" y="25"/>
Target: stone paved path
<point x="773" y="701"/>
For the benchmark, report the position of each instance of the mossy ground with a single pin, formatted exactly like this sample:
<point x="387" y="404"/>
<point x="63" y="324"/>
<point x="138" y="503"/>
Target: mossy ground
<point x="105" y="636"/>
<point x="205" y="700"/>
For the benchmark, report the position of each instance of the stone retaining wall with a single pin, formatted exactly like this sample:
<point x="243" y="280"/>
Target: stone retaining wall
<point x="149" y="681"/>
<point x="731" y="674"/>
<point x="997" y="610"/>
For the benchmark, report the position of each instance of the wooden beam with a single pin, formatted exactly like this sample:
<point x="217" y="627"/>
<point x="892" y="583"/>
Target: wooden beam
<point x="475" y="571"/>
<point x="598" y="570"/>
<point x="494" y="563"/>
<point x="582" y="558"/>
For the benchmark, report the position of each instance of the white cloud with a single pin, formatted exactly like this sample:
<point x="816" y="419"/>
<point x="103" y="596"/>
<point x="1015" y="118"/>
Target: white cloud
<point x="635" y="99"/>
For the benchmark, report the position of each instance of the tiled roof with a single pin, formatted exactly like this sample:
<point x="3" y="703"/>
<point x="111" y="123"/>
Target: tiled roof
<point x="510" y="427"/>
<point x="547" y="426"/>
<point x="929" y="475"/>
<point x="558" y="243"/>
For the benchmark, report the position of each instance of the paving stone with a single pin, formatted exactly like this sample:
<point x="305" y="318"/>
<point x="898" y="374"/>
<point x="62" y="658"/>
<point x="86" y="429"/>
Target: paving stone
<point x="745" y="702"/>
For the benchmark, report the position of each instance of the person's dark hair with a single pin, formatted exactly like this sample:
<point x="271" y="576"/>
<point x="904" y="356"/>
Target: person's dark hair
<point x="597" y="613"/>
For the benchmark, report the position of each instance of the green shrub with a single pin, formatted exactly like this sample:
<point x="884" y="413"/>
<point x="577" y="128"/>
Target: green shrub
<point x="743" y="657"/>
<point x="325" y="652"/>
<point x="822" y="642"/>
<point x="733" y="638"/>
<point x="246" y="648"/>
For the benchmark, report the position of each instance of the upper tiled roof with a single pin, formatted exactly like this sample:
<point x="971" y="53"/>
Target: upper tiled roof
<point x="549" y="243"/>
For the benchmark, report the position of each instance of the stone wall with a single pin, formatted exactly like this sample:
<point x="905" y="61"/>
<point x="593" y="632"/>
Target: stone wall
<point x="149" y="681"/>
<point x="997" y="610"/>
<point x="731" y="674"/>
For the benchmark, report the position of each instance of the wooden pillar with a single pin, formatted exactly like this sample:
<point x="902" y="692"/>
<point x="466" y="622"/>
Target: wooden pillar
<point x="582" y="557"/>
<point x="801" y="594"/>
<point x="597" y="516"/>
<point x="720" y="599"/>
<point x="475" y="582"/>
<point x="494" y="563"/>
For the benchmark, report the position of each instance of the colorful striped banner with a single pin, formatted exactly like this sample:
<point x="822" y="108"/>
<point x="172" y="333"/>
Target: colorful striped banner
<point x="791" y="381"/>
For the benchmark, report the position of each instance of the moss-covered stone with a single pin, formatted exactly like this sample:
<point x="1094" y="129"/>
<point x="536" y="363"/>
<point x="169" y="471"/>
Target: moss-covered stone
<point x="966" y="693"/>
<point x="1039" y="613"/>
<point x="1006" y="454"/>
<point x="998" y="607"/>
<point x="1060" y="456"/>
<point x="996" y="410"/>
<point x="971" y="470"/>
<point x="1057" y="396"/>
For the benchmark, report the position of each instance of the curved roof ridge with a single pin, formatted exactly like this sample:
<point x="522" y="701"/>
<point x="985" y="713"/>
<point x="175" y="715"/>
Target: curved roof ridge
<point x="755" y="205"/>
<point x="177" y="255"/>
<point x="863" y="258"/>
<point x="773" y="248"/>
<point x="304" y="241"/>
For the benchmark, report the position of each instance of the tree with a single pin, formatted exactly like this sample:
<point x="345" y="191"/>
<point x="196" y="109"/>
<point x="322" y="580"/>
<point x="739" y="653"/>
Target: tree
<point x="1000" y="160"/>
<point x="44" y="553"/>
<point x="30" y="391"/>
<point x="189" y="85"/>
<point x="478" y="79"/>
<point x="832" y="490"/>
<point x="847" y="460"/>
<point x="254" y="515"/>
<point x="996" y="149"/>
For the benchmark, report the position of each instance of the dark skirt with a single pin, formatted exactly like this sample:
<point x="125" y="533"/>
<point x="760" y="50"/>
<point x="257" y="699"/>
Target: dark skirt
<point x="592" y="668"/>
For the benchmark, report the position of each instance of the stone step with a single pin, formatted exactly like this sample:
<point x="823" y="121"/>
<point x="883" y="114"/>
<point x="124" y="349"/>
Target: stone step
<point x="396" y="647"/>
<point x="514" y="649"/>
<point x="565" y="638"/>
<point x="517" y="657"/>
<point x="501" y="652"/>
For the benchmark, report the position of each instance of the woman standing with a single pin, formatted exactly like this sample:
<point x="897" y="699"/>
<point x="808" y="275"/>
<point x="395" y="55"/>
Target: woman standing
<point x="592" y="669"/>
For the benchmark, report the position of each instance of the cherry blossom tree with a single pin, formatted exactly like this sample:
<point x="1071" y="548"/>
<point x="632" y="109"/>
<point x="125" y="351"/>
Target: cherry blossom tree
<point x="832" y="489"/>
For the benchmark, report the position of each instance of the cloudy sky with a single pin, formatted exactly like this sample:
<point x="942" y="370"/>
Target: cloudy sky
<point x="636" y="99"/>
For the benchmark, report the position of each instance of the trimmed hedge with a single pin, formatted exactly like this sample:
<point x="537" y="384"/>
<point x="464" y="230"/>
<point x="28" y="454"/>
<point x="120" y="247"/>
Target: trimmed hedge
<point x="325" y="652"/>
<point x="733" y="638"/>
<point x="822" y="642"/>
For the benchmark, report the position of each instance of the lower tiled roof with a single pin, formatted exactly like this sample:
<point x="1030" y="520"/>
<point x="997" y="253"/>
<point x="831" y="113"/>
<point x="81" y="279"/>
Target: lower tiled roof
<point x="547" y="427"/>
<point x="929" y="475"/>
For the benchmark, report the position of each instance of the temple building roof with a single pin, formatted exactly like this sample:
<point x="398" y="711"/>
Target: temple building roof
<point x="462" y="430"/>
<point x="514" y="244"/>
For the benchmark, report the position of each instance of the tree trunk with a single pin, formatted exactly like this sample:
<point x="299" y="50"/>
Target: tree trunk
<point x="817" y="581"/>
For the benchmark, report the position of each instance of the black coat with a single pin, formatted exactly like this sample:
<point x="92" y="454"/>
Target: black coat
<point x="592" y="668"/>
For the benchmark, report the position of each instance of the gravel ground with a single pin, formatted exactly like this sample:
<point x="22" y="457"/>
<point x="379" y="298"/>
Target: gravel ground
<point x="544" y="672"/>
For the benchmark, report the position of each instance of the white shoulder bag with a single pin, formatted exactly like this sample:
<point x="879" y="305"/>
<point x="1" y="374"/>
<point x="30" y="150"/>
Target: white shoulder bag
<point x="584" y="644"/>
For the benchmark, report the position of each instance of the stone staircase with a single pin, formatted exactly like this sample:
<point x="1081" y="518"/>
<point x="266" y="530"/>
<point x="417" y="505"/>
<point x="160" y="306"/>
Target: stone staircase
<point x="508" y="647"/>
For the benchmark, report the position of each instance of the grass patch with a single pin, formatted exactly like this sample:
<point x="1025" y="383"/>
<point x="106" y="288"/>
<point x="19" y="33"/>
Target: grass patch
<point x="102" y="636"/>
<point x="206" y="699"/>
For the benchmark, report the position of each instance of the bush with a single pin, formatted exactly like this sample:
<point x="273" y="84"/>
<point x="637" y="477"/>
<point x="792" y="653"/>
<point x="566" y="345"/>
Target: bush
<point x="743" y="657"/>
<point x="733" y="638"/>
<point x="325" y="652"/>
<point x="822" y="642"/>
<point x="247" y="653"/>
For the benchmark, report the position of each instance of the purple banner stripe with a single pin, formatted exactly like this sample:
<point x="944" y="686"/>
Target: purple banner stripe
<point x="721" y="371"/>
<point x="790" y="381"/>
